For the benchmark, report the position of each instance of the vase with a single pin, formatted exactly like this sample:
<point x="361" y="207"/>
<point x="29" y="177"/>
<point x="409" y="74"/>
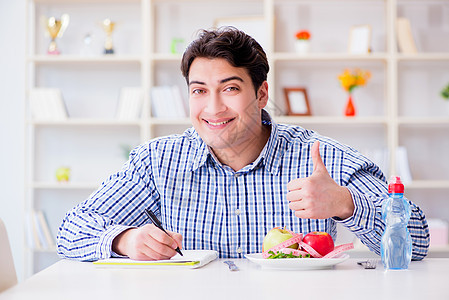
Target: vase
<point x="302" y="46"/>
<point x="350" y="108"/>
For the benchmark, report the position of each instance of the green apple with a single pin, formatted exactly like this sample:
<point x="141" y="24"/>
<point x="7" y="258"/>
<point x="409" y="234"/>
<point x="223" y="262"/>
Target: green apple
<point x="275" y="237"/>
<point x="63" y="174"/>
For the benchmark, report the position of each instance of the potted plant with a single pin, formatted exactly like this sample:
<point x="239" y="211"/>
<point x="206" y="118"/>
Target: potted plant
<point x="302" y="43"/>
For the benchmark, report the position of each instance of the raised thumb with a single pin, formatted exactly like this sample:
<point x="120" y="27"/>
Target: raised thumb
<point x="316" y="157"/>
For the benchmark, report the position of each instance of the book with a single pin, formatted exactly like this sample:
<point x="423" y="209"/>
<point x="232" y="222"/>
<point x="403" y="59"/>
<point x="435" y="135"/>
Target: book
<point x="167" y="102"/>
<point x="402" y="165"/>
<point x="130" y="103"/>
<point x="178" y="101"/>
<point x="406" y="42"/>
<point x="158" y="103"/>
<point x="192" y="259"/>
<point x="38" y="231"/>
<point x="47" y="104"/>
<point x="32" y="232"/>
<point x="380" y="156"/>
<point x="44" y="229"/>
<point x="31" y="236"/>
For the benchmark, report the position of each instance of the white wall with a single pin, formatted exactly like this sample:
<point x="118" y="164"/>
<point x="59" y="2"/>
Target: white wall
<point x="12" y="67"/>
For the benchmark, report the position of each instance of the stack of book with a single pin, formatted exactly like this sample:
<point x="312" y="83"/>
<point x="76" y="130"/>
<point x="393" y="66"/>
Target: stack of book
<point x="380" y="157"/>
<point x="130" y="103"/>
<point x="47" y="105"/>
<point x="39" y="236"/>
<point x="167" y="102"/>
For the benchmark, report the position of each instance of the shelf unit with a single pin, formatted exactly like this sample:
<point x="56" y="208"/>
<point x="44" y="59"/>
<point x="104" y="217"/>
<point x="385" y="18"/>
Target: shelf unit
<point x="391" y="108"/>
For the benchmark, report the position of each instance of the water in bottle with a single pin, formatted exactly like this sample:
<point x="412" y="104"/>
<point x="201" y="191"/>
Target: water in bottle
<point x="396" y="243"/>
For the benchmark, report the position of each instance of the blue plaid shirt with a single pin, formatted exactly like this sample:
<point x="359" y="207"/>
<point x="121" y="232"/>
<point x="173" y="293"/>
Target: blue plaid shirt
<point x="214" y="207"/>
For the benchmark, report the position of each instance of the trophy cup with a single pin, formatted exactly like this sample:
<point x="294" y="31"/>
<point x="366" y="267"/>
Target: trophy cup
<point x="55" y="29"/>
<point x="108" y="27"/>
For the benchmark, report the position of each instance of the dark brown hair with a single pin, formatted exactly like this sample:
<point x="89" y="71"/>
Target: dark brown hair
<point x="233" y="45"/>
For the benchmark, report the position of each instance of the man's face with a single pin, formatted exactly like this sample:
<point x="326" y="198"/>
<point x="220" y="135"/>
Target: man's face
<point x="224" y="108"/>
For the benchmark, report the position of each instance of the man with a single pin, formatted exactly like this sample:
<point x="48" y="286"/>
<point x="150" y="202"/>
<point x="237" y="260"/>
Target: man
<point x="224" y="183"/>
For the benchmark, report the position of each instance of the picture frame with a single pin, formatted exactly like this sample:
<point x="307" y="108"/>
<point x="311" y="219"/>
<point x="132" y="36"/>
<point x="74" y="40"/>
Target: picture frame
<point x="255" y="26"/>
<point x="296" y="101"/>
<point x="360" y="39"/>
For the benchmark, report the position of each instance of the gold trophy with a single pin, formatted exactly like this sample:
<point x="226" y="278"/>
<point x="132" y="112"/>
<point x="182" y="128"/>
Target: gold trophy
<point x="55" y="29"/>
<point x="108" y="27"/>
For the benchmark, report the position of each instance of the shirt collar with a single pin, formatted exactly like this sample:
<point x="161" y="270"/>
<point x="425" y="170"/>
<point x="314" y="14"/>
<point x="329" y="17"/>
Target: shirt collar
<point x="269" y="156"/>
<point x="272" y="152"/>
<point x="202" y="151"/>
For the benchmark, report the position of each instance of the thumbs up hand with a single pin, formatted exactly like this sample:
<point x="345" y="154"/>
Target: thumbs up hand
<point x="319" y="196"/>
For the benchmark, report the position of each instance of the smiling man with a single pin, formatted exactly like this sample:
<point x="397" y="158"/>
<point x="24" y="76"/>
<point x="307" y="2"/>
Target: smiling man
<point x="224" y="183"/>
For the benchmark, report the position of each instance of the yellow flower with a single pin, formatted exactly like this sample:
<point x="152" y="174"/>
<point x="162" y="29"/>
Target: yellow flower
<point x="350" y="80"/>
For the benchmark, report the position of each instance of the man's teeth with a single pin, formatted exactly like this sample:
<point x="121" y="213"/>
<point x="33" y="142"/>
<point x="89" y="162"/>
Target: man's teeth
<point x="217" y="124"/>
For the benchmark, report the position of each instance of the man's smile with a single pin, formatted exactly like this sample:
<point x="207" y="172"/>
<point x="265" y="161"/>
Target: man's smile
<point x="218" y="122"/>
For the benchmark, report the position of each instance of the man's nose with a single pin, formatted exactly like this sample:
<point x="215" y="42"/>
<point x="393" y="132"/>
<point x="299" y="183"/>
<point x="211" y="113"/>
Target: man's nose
<point x="215" y="104"/>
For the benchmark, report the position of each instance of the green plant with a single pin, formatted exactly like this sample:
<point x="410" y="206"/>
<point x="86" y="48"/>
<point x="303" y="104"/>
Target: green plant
<point x="445" y="92"/>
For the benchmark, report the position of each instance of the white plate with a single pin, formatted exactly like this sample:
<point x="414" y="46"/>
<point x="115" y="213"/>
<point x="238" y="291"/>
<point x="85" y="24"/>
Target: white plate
<point x="296" y="263"/>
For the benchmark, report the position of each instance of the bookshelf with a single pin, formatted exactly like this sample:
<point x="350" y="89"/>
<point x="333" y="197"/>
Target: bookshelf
<point x="400" y="106"/>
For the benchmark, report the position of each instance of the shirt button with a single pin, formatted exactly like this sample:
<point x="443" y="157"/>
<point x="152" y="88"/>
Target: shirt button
<point x="237" y="212"/>
<point x="239" y="250"/>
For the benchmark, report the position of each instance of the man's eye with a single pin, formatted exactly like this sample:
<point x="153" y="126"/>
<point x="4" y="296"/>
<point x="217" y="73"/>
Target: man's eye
<point x="231" y="89"/>
<point x="197" y="91"/>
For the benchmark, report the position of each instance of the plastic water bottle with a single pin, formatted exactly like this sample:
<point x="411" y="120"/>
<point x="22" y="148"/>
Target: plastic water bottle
<point x="396" y="243"/>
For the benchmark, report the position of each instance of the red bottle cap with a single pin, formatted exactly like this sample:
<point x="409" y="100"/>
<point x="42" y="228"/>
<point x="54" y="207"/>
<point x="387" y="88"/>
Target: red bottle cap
<point x="395" y="185"/>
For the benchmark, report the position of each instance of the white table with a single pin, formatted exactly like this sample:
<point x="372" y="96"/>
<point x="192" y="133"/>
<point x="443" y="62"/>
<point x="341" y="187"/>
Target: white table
<point x="428" y="279"/>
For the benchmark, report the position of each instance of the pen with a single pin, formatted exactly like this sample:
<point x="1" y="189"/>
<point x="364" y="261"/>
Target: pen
<point x="158" y="224"/>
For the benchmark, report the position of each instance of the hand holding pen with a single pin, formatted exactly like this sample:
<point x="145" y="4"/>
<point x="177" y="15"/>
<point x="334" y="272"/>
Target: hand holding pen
<point x="147" y="242"/>
<point x="158" y="224"/>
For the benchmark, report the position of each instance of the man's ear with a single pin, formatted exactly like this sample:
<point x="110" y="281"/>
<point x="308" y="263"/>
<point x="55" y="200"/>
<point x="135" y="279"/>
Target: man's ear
<point x="262" y="95"/>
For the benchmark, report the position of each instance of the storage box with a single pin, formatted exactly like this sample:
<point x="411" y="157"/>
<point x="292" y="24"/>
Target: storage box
<point x="438" y="232"/>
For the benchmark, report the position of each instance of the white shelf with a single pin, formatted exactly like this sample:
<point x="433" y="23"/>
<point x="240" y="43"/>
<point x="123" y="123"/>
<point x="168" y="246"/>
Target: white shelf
<point x="86" y="122"/>
<point x="84" y="1"/>
<point x="44" y="250"/>
<point x="428" y="184"/>
<point x="423" y="120"/>
<point x="65" y="185"/>
<point x="111" y="122"/>
<point x="168" y="57"/>
<point x="180" y="121"/>
<point x="74" y="59"/>
<point x="424" y="57"/>
<point x="329" y="57"/>
<point x="439" y="249"/>
<point x="331" y="120"/>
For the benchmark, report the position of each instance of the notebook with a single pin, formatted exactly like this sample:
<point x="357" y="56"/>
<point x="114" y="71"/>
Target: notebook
<point x="192" y="259"/>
